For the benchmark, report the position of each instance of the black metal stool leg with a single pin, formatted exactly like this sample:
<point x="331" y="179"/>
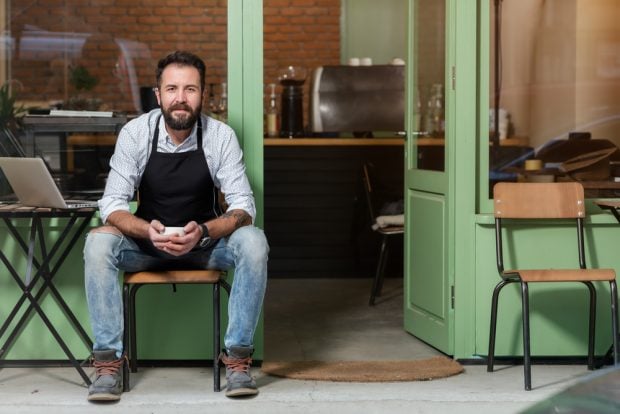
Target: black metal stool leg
<point x="216" y="337"/>
<point x="126" y="311"/>
<point x="614" y="320"/>
<point x="527" y="369"/>
<point x="133" y="353"/>
<point x="591" y="324"/>
<point x="493" y="327"/>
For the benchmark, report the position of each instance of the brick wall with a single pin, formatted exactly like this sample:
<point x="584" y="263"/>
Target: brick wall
<point x="300" y="32"/>
<point x="120" y="41"/>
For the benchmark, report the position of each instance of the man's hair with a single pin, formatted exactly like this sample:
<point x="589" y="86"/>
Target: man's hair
<point x="184" y="59"/>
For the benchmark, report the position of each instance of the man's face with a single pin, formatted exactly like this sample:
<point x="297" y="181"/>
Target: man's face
<point x="180" y="96"/>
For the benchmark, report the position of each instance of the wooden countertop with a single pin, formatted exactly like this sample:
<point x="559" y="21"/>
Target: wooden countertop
<point x="387" y="141"/>
<point x="301" y="142"/>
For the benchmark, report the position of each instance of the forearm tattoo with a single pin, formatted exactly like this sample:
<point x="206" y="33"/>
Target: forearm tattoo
<point x="241" y="217"/>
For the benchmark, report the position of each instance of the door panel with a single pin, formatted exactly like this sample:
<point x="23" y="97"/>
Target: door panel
<point x="425" y="292"/>
<point x="428" y="308"/>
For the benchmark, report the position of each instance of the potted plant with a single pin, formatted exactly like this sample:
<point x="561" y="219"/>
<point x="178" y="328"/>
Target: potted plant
<point x="82" y="81"/>
<point x="10" y="122"/>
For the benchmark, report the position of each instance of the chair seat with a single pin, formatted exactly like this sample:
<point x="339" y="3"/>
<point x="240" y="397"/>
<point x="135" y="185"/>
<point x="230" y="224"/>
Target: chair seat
<point x="562" y="275"/>
<point x="391" y="230"/>
<point x="173" y="276"/>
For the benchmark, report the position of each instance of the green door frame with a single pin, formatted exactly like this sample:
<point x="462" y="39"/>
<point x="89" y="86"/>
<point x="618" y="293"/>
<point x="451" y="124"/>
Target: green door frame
<point x="457" y="184"/>
<point x="463" y="160"/>
<point x="245" y="90"/>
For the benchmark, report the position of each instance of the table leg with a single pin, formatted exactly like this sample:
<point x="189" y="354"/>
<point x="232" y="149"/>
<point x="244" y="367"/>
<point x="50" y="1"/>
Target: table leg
<point x="47" y="275"/>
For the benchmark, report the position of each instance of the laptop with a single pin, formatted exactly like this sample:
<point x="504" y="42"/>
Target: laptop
<point x="34" y="186"/>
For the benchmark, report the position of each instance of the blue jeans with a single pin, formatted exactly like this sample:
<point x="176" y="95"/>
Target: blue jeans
<point x="105" y="253"/>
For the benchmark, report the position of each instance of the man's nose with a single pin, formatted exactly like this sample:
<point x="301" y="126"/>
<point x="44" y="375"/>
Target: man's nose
<point x="181" y="96"/>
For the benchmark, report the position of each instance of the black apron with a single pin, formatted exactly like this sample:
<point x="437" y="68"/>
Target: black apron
<point x="175" y="189"/>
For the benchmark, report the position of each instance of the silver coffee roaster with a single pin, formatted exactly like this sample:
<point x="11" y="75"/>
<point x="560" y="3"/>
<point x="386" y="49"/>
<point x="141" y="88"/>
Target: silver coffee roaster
<point x="357" y="99"/>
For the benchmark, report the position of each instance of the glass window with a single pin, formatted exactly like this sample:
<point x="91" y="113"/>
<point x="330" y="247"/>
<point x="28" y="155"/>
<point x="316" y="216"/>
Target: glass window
<point x="101" y="55"/>
<point x="554" y="105"/>
<point x="430" y="61"/>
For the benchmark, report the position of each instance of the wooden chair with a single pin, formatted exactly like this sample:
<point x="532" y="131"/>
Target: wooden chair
<point x="546" y="201"/>
<point x="385" y="232"/>
<point x="133" y="281"/>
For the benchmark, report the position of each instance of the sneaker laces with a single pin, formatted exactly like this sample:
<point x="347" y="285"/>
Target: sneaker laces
<point x="236" y="364"/>
<point x="107" y="367"/>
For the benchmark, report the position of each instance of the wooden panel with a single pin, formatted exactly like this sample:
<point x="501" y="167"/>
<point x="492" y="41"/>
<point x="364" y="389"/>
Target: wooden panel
<point x="315" y="217"/>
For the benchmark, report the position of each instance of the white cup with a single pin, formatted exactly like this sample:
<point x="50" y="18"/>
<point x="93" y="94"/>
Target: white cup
<point x="366" y="61"/>
<point x="170" y="231"/>
<point x="354" y="61"/>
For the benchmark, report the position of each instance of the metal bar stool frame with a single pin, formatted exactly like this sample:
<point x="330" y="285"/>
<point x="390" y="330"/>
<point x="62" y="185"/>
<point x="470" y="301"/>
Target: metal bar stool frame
<point x="134" y="281"/>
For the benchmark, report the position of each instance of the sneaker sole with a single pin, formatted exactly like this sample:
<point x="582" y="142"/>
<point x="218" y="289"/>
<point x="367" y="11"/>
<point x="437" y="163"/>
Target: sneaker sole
<point x="241" y="392"/>
<point x="104" y="397"/>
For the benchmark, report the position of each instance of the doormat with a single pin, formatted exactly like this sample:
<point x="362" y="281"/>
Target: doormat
<point x="365" y="371"/>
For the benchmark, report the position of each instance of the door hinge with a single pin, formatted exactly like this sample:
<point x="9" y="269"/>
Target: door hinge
<point x="452" y="296"/>
<point x="453" y="78"/>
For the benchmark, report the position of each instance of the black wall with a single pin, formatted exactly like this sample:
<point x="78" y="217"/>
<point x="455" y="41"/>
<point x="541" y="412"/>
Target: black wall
<point x="316" y="219"/>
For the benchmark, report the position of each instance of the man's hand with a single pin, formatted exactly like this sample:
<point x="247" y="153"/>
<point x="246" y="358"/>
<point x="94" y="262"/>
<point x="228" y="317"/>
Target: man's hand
<point x="174" y="244"/>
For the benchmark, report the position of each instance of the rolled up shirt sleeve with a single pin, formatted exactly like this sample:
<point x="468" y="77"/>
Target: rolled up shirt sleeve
<point x="228" y="170"/>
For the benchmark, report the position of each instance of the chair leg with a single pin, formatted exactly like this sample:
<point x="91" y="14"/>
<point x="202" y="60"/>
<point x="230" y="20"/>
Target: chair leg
<point x="493" y="328"/>
<point x="614" y="320"/>
<point x="591" y="324"/>
<point x="126" y="384"/>
<point x="377" y="282"/>
<point x="216" y="337"/>
<point x="527" y="369"/>
<point x="384" y="262"/>
<point x="133" y="346"/>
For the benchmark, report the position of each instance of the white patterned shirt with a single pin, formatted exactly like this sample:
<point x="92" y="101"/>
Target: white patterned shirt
<point x="133" y="146"/>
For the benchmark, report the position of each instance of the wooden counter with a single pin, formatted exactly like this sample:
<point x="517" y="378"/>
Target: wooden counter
<point x="329" y="142"/>
<point x="315" y="217"/>
<point x="388" y="141"/>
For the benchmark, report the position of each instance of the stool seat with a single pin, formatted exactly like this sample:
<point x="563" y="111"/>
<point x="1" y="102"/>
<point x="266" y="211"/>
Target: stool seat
<point x="173" y="276"/>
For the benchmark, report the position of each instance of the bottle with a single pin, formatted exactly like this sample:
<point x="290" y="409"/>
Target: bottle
<point x="417" y="119"/>
<point x="271" y="113"/>
<point x="211" y="103"/>
<point x="435" y="112"/>
<point x="223" y="105"/>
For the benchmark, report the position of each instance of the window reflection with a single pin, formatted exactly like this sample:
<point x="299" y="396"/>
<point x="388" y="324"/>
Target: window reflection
<point x="557" y="66"/>
<point x="53" y="49"/>
<point x="97" y="55"/>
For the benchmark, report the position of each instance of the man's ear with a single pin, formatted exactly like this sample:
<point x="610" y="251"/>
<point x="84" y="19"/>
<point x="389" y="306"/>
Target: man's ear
<point x="156" y="90"/>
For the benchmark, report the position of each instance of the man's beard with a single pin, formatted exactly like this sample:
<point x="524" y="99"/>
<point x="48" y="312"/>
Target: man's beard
<point x="183" y="122"/>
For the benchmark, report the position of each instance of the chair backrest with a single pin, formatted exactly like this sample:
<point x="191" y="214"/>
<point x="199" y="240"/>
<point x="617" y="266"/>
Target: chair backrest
<point x="367" y="174"/>
<point x="538" y="200"/>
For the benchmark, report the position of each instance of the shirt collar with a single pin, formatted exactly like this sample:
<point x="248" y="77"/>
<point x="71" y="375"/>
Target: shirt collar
<point x="189" y="141"/>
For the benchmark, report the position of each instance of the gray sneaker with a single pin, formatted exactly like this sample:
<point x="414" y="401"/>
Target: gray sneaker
<point x="108" y="383"/>
<point x="239" y="382"/>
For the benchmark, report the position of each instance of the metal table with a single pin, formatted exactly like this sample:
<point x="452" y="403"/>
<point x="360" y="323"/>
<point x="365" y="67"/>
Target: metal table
<point x="42" y="265"/>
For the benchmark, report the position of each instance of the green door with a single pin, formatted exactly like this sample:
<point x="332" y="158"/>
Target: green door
<point x="428" y="312"/>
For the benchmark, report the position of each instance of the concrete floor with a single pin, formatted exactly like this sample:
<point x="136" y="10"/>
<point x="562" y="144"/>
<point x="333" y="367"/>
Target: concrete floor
<point x="304" y="319"/>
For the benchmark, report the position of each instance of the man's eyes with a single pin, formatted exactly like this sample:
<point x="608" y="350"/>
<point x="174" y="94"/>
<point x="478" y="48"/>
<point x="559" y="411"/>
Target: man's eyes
<point x="187" y="90"/>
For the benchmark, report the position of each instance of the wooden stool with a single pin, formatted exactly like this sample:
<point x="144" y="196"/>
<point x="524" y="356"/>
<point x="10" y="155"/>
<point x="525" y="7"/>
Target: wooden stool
<point x="133" y="281"/>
